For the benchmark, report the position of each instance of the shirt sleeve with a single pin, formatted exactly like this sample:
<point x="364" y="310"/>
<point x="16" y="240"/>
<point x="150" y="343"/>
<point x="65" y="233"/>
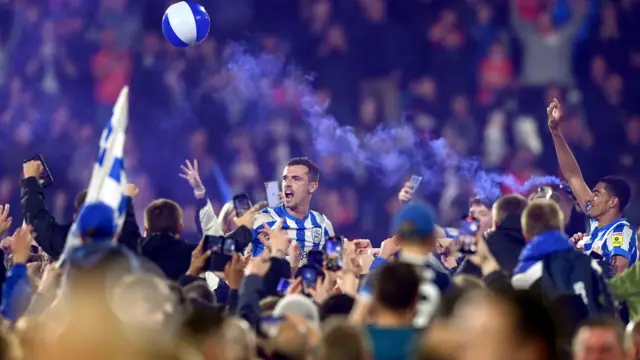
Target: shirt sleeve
<point x="328" y="227"/>
<point x="622" y="241"/>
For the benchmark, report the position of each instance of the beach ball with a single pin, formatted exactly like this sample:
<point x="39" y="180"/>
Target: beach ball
<point x="185" y="23"/>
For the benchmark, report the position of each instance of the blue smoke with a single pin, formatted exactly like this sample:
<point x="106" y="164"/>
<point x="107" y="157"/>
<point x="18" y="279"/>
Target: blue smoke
<point x="391" y="152"/>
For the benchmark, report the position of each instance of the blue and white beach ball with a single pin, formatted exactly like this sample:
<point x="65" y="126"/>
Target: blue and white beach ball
<point x="185" y="23"/>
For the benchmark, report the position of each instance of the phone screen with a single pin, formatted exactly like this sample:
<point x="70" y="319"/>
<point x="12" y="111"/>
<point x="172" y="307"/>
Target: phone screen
<point x="309" y="277"/>
<point x="273" y="193"/>
<point x="415" y="181"/>
<point x="229" y="246"/>
<point x="333" y="251"/>
<point x="283" y="286"/>
<point x="214" y="243"/>
<point x="241" y="204"/>
<point x="45" y="178"/>
<point x="466" y="240"/>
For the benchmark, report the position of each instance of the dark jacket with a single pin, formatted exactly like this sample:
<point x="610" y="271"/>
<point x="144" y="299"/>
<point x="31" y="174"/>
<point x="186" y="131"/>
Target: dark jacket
<point x="172" y="255"/>
<point x="505" y="243"/>
<point x="550" y="262"/>
<point x="51" y="235"/>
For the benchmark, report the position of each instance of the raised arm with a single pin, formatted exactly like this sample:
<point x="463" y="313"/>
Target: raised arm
<point x="522" y="28"/>
<point x="566" y="160"/>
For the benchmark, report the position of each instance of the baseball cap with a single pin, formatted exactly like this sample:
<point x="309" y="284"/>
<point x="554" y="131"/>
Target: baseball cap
<point x="300" y="305"/>
<point x="96" y="221"/>
<point x="414" y="220"/>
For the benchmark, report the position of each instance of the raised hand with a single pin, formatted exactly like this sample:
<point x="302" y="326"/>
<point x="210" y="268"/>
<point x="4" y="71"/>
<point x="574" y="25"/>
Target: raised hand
<point x="554" y="114"/>
<point x="279" y="240"/>
<point x="32" y="168"/>
<point x="5" y="219"/>
<point x="406" y="193"/>
<point x="191" y="173"/>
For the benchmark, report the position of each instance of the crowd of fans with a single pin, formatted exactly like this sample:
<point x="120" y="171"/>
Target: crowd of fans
<point x="478" y="74"/>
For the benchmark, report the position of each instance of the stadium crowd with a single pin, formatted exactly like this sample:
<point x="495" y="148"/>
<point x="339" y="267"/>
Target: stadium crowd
<point x="530" y="280"/>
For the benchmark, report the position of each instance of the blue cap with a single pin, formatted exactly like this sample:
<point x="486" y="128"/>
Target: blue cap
<point x="96" y="221"/>
<point x="414" y="220"/>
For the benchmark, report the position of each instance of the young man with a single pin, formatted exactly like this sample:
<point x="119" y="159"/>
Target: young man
<point x="415" y="238"/>
<point x="602" y="338"/>
<point x="307" y="227"/>
<point x="610" y="233"/>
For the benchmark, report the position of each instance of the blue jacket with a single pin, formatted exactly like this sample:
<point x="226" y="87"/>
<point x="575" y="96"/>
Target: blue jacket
<point x="551" y="264"/>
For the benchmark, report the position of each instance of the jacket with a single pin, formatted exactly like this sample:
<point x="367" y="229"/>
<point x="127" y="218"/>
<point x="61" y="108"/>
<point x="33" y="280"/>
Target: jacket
<point x="172" y="255"/>
<point x="505" y="243"/>
<point x="550" y="263"/>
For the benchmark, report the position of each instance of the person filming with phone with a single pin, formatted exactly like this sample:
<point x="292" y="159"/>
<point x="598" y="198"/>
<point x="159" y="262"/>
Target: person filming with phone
<point x="309" y="228"/>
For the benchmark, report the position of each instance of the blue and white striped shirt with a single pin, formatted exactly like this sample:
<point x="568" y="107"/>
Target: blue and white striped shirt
<point x="615" y="239"/>
<point x="310" y="232"/>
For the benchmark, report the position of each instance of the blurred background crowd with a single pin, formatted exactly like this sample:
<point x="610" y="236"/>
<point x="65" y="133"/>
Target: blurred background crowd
<point x="477" y="73"/>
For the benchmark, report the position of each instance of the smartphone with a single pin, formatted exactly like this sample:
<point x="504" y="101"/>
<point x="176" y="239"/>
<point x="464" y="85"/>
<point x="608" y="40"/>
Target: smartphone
<point x="309" y="276"/>
<point x="333" y="251"/>
<point x="283" y="286"/>
<point x="466" y="239"/>
<point x="415" y="181"/>
<point x="273" y="193"/>
<point x="315" y="258"/>
<point x="45" y="178"/>
<point x="241" y="203"/>
<point x="221" y="251"/>
<point x="269" y="325"/>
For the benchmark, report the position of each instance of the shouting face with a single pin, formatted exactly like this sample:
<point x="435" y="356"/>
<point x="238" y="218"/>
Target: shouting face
<point x="297" y="188"/>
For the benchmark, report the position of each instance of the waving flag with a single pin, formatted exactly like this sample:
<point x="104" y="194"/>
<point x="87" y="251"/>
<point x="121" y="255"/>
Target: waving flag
<point x="108" y="180"/>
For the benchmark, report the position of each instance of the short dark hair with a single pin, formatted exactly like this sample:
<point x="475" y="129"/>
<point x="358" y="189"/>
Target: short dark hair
<point x="396" y="286"/>
<point x="312" y="168"/>
<point x="163" y="216"/>
<point x="509" y="205"/>
<point x="608" y="323"/>
<point x="79" y="201"/>
<point x="480" y="201"/>
<point x="618" y="187"/>
<point x="337" y="304"/>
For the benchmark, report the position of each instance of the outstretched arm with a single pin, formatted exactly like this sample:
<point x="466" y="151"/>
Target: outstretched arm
<point x="566" y="160"/>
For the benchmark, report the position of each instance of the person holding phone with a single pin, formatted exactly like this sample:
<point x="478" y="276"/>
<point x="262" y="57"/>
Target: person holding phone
<point x="307" y="227"/>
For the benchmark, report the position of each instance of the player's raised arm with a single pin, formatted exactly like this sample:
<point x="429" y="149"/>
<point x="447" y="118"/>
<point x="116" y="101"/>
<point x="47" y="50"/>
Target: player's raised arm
<point x="566" y="160"/>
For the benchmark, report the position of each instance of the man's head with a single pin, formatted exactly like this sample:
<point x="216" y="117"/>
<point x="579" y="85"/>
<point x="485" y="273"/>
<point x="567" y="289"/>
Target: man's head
<point x="96" y="222"/>
<point x="480" y="210"/>
<point x="539" y="216"/>
<point x="414" y="225"/>
<point x="508" y="205"/>
<point x="561" y="194"/>
<point x="299" y="181"/>
<point x="602" y="339"/>
<point x="610" y="195"/>
<point x="505" y="326"/>
<point x="163" y="216"/>
<point x="395" y="290"/>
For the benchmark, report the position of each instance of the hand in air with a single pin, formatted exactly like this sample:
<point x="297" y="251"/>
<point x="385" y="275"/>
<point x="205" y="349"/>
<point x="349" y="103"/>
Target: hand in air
<point x="406" y="194"/>
<point x="554" y="114"/>
<point x="191" y="173"/>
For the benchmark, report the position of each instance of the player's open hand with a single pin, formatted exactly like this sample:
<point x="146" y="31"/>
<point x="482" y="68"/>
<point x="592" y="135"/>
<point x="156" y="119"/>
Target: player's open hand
<point x="554" y="114"/>
<point x="191" y="173"/>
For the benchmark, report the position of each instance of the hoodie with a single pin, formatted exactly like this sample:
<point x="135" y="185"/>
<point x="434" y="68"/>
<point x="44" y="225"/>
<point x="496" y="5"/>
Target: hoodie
<point x="172" y="255"/>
